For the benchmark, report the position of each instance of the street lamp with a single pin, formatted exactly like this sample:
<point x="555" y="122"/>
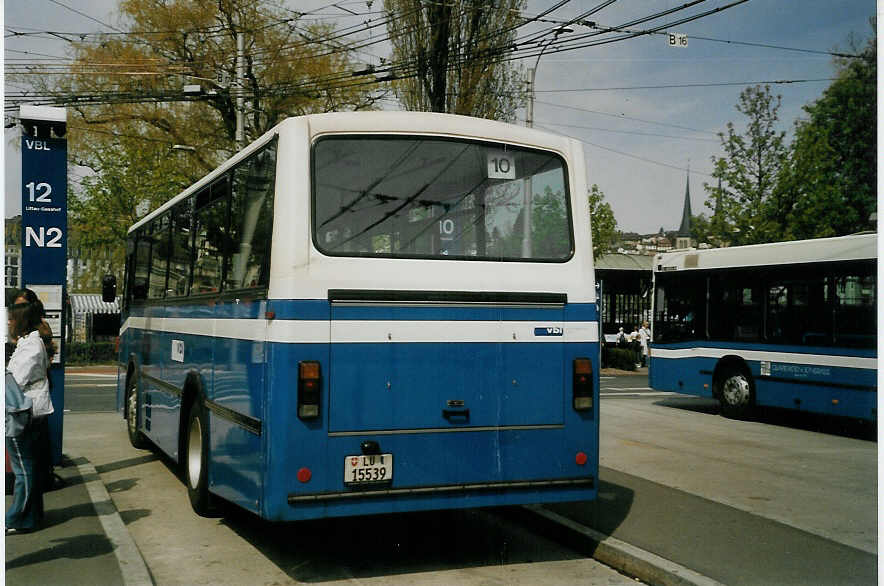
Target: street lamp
<point x="557" y="32"/>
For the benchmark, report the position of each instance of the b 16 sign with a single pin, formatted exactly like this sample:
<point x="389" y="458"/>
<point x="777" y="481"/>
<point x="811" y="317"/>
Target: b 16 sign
<point x="679" y="40"/>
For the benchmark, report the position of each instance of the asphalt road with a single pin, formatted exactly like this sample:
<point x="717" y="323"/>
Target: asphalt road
<point x="780" y="499"/>
<point x="89" y="391"/>
<point x="481" y="547"/>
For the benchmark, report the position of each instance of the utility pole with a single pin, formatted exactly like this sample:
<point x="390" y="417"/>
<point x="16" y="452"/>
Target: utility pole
<point x="527" y="244"/>
<point x="528" y="198"/>
<point x="529" y="114"/>
<point x="240" y="100"/>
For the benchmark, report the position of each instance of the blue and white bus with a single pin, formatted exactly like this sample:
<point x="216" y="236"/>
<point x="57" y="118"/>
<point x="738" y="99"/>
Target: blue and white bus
<point x="370" y="313"/>
<point x="789" y="325"/>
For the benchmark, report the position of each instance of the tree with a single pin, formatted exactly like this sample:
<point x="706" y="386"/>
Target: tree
<point x="447" y="56"/>
<point x="602" y="223"/>
<point x="750" y="170"/>
<point x="139" y="77"/>
<point x="127" y="107"/>
<point x="829" y="186"/>
<point x="107" y="203"/>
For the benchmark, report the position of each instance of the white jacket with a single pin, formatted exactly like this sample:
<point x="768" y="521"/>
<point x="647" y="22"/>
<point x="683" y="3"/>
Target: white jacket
<point x="28" y="366"/>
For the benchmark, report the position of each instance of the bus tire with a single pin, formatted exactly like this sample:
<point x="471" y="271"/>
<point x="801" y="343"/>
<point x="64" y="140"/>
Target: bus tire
<point x="736" y="393"/>
<point x="196" y="458"/>
<point x="136" y="438"/>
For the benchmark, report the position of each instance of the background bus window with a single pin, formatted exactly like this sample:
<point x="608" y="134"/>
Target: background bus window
<point x="855" y="312"/>
<point x="209" y="244"/>
<point x="159" y="257"/>
<point x="796" y="313"/>
<point x="182" y="243"/>
<point x="680" y="312"/>
<point x="747" y="312"/>
<point x="251" y="222"/>
<point x="141" y="269"/>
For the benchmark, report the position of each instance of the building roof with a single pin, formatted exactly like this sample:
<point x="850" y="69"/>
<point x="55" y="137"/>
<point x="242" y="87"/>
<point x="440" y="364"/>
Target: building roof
<point x="92" y="303"/>
<point x="625" y="262"/>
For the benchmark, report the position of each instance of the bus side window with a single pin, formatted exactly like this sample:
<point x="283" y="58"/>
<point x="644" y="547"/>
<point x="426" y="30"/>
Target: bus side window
<point x="248" y="260"/>
<point x="182" y="248"/>
<point x="210" y="243"/>
<point x="854" y="312"/>
<point x="159" y="258"/>
<point x="748" y="314"/>
<point x="141" y="270"/>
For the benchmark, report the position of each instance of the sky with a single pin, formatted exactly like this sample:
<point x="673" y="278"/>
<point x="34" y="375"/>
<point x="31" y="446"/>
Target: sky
<point x="638" y="143"/>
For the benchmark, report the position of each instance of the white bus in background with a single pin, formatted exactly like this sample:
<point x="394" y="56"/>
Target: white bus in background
<point x="788" y="324"/>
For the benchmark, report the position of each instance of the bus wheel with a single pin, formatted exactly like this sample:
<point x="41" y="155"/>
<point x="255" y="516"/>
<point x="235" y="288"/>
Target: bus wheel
<point x="736" y="395"/>
<point x="196" y="448"/>
<point x="136" y="438"/>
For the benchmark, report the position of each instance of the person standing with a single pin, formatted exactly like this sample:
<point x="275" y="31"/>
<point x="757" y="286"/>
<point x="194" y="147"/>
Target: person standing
<point x="644" y="336"/>
<point x="50" y="479"/>
<point x="28" y="366"/>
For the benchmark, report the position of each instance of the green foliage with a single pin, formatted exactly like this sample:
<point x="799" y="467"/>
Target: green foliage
<point x="829" y="186"/>
<point x="104" y="207"/>
<point x="448" y="56"/>
<point x="823" y="184"/>
<point x="620" y="358"/>
<point x="749" y="169"/>
<point x="126" y="136"/>
<point x="602" y="223"/>
<point x="548" y="218"/>
<point x="90" y="353"/>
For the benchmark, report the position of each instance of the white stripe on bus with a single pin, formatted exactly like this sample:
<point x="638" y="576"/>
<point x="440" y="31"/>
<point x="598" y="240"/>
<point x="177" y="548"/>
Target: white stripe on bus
<point x="369" y="331"/>
<point x="779" y="357"/>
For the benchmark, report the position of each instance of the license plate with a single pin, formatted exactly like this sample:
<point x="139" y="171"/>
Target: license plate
<point x="364" y="469"/>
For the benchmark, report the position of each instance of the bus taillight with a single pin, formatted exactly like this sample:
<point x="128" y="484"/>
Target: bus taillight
<point x="582" y="384"/>
<point x="308" y="389"/>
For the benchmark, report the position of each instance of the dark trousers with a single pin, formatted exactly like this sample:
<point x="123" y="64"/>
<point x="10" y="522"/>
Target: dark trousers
<point x="26" y="456"/>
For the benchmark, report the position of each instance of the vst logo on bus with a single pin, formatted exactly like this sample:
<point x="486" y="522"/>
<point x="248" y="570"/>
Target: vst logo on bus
<point x="549" y="331"/>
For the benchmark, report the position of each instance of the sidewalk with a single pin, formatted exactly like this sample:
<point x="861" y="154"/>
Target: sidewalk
<point x="641" y="370"/>
<point x="82" y="540"/>
<point x="92" y="369"/>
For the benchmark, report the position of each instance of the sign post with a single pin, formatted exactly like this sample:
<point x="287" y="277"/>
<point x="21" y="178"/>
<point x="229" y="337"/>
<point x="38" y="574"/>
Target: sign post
<point x="44" y="226"/>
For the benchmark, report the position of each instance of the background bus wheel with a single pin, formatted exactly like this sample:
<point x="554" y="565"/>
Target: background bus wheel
<point x="736" y="395"/>
<point x="196" y="456"/>
<point x="136" y="438"/>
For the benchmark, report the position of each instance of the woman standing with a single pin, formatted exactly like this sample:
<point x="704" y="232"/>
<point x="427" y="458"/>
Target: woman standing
<point x="28" y="365"/>
<point x="644" y="336"/>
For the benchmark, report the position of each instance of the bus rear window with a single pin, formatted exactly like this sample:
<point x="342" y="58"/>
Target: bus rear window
<point x="413" y="197"/>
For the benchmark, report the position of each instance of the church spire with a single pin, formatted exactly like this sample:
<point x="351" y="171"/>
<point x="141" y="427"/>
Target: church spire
<point x="683" y="238"/>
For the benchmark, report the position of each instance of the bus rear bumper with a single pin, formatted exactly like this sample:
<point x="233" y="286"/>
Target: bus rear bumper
<point x="586" y="482"/>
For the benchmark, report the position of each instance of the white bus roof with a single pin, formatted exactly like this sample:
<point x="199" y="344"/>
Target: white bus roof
<point x="841" y="248"/>
<point x="409" y="123"/>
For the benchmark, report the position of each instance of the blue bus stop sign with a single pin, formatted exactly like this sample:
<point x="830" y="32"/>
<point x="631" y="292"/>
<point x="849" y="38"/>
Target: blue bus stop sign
<point x="44" y="234"/>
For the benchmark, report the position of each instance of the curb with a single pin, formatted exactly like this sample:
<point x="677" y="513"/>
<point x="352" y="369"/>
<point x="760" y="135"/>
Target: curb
<point x="132" y="565"/>
<point x="631" y="560"/>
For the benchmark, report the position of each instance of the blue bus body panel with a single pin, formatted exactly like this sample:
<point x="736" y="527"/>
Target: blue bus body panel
<point x="521" y="425"/>
<point x="779" y="382"/>
<point x="407" y="386"/>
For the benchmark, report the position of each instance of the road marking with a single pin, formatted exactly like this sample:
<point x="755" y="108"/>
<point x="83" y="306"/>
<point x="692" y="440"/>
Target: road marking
<point x="90" y="386"/>
<point x="627" y="389"/>
<point x="633" y="395"/>
<point x="132" y="565"/>
<point x="89" y="375"/>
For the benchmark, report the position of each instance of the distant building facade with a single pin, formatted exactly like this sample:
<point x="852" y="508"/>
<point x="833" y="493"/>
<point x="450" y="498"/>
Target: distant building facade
<point x="12" y="268"/>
